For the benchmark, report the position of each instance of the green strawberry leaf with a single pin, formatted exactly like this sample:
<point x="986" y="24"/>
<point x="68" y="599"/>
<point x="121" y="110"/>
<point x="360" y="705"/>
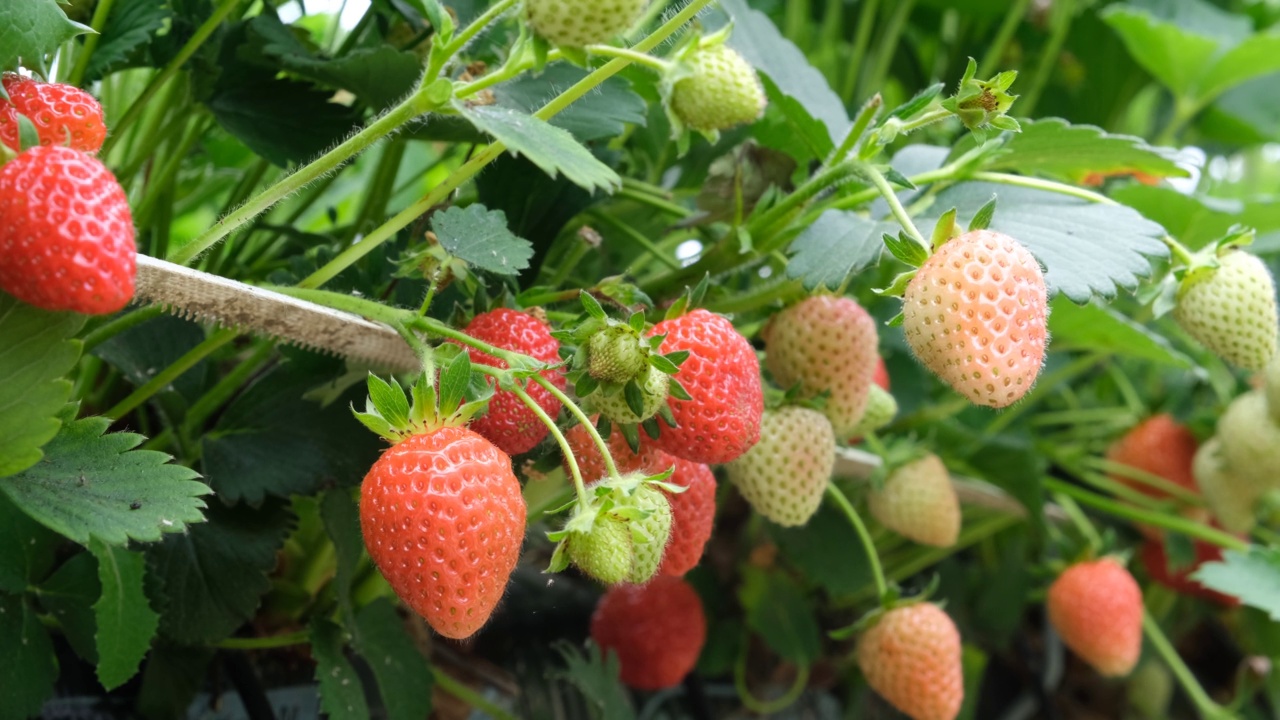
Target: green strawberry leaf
<point x="273" y="440"/>
<point x="171" y="678"/>
<point x="596" y="675"/>
<point x="92" y="485"/>
<point x="403" y="676"/>
<point x="32" y="387"/>
<point x="26" y="548"/>
<point x="125" y="621"/>
<point x="778" y="611"/>
<point x="1196" y="220"/>
<point x="552" y="149"/>
<point x="130" y="26"/>
<point x="1252" y="576"/>
<point x="1246" y="114"/>
<point x="605" y="112"/>
<point x="68" y="595"/>
<point x="209" y="580"/>
<point x="836" y="245"/>
<point x="820" y="550"/>
<point x="341" y="692"/>
<point x="481" y="237"/>
<point x="157" y="343"/>
<point x="1097" y="328"/>
<point x="1087" y="249"/>
<point x="28" y="665"/>
<point x="342" y="523"/>
<point x="31" y="30"/>
<point x="1055" y="148"/>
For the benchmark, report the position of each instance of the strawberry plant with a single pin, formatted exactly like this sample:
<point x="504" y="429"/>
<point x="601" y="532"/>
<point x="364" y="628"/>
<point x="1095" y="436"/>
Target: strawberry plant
<point x="639" y="358"/>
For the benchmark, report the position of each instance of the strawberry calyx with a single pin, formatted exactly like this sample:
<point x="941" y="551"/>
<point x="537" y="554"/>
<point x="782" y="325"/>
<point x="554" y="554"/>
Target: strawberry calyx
<point x="892" y="600"/>
<point x="983" y="104"/>
<point x="397" y="417"/>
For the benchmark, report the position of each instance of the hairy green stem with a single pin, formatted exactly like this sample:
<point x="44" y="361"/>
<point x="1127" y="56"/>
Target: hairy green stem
<point x="464" y="693"/>
<point x="1175" y="523"/>
<point x="171" y="373"/>
<point x="574" y="471"/>
<point x="658" y="65"/>
<point x="866" y="115"/>
<point x="99" y="21"/>
<point x="877" y="572"/>
<point x="140" y="104"/>
<point x="119" y="324"/>
<point x="766" y="707"/>
<point x="585" y="421"/>
<point x="877" y="179"/>
<point x="1204" y="704"/>
<point x="1039" y="184"/>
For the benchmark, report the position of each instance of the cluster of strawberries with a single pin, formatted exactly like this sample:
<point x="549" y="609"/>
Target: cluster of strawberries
<point x="66" y="231"/>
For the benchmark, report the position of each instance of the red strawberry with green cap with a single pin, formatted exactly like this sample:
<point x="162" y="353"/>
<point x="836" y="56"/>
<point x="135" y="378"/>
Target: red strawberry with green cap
<point x="577" y="23"/>
<point x="826" y="345"/>
<point x="1096" y="607"/>
<point x="785" y="475"/>
<point x="510" y="424"/>
<point x="63" y="115"/>
<point x="722" y="377"/>
<point x="441" y="511"/>
<point x="911" y="656"/>
<point x="656" y="630"/>
<point x="66" y="233"/>
<point x="1231" y="309"/>
<point x="975" y="315"/>
<point x="715" y="89"/>
<point x="919" y="502"/>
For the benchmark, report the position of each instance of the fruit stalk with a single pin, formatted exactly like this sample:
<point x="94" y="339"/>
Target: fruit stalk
<point x="581" y="487"/>
<point x="586" y="423"/>
<point x="877" y="572"/>
<point x="765" y="707"/>
<point x="895" y="205"/>
<point x="1177" y="524"/>
<point x="1208" y="709"/>
<point x="99" y="21"/>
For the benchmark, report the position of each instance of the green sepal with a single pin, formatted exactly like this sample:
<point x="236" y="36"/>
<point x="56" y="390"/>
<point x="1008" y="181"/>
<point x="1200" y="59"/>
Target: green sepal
<point x="906" y="249"/>
<point x="898" y="287"/>
<point x="982" y="219"/>
<point x="944" y="230"/>
<point x="28" y="136"/>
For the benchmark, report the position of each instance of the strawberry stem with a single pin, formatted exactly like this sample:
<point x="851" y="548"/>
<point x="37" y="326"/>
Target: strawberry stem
<point x="766" y="707"/>
<point x="464" y="693"/>
<point x="1078" y="519"/>
<point x="1179" y="251"/>
<point x="586" y="423"/>
<point x="656" y="64"/>
<point x="876" y="178"/>
<point x="877" y="572"/>
<point x="1207" y="707"/>
<point x="581" y="487"/>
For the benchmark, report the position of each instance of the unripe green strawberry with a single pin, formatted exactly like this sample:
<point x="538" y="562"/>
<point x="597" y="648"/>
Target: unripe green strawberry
<point x="911" y="657"/>
<point x="1230" y="498"/>
<point x="721" y="91"/>
<point x="577" y="23"/>
<point x="1231" y="309"/>
<point x="919" y="502"/>
<point x="1251" y="442"/>
<point x="975" y="316"/>
<point x="1096" y="607"/>
<point x="785" y="474"/>
<point x="653" y="392"/>
<point x="614" y="354"/>
<point x="626" y="542"/>
<point x="881" y="410"/>
<point x="826" y="344"/>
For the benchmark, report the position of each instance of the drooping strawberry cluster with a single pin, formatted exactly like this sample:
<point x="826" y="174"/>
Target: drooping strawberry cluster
<point x="66" y="231"/>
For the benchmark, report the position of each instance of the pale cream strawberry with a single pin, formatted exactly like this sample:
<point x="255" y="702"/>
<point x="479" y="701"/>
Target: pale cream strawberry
<point x="975" y="315"/>
<point x="785" y="475"/>
<point x="911" y="656"/>
<point x="1231" y="309"/>
<point x="919" y="502"/>
<point x="826" y="344"/>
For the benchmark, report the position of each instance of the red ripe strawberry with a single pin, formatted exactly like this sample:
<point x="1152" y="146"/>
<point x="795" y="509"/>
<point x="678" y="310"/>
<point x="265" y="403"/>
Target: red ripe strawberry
<point x="881" y="375"/>
<point x="975" y="316"/>
<point x="66" y="233"/>
<point x="1158" y="446"/>
<point x="919" y="502"/>
<point x="826" y="344"/>
<point x="509" y="424"/>
<point x="785" y="475"/>
<point x="1096" y="606"/>
<point x="443" y="518"/>
<point x="693" y="511"/>
<point x="911" y="656"/>
<point x="63" y="114"/>
<point x="1156" y="562"/>
<point x="722" y="375"/>
<point x="657" y="630"/>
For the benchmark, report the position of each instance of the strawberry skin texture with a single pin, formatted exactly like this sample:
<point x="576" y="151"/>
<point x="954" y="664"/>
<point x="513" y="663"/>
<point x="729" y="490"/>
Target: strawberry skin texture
<point x="1232" y="310"/>
<point x="1251" y="442"/>
<point x="63" y="114"/>
<point x="1156" y="562"/>
<point x="509" y="424"/>
<point x="1096" y="607"/>
<point x="693" y="512"/>
<point x="975" y="316"/>
<point x="443" y="519"/>
<point x="1229" y="496"/>
<point x="657" y="631"/>
<point x="576" y="23"/>
<point x="66" y="233"/>
<point x="826" y="344"/>
<point x="722" y="375"/>
<point x="919" y="502"/>
<point x="911" y="657"/>
<point x="721" y="91"/>
<point x="785" y="475"/>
